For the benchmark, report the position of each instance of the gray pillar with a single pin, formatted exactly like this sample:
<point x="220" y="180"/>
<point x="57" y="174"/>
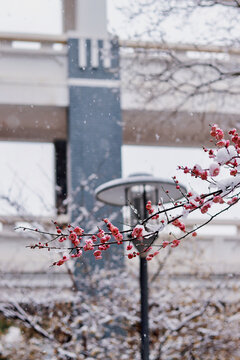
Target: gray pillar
<point x="69" y="21"/>
<point x="95" y="132"/>
<point x="87" y="18"/>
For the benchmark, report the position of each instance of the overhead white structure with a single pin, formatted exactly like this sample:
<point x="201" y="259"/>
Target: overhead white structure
<point x="34" y="85"/>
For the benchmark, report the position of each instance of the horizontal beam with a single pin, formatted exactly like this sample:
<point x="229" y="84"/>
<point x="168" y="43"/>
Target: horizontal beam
<point x="43" y="38"/>
<point x="148" y="45"/>
<point x="140" y="127"/>
<point x="33" y="123"/>
<point x="170" y="128"/>
<point x="62" y="39"/>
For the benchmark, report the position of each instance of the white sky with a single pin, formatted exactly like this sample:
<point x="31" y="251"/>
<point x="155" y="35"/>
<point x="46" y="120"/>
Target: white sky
<point x="27" y="178"/>
<point x="36" y="16"/>
<point x="209" y="24"/>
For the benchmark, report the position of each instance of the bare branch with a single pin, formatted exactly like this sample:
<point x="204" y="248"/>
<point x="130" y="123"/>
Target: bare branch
<point x="14" y="310"/>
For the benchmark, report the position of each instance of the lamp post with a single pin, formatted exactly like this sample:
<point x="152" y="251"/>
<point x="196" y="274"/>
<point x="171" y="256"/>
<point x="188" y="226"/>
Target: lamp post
<point x="137" y="190"/>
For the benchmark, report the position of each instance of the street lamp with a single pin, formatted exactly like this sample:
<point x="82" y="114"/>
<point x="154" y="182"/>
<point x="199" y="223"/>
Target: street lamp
<point x="137" y="190"/>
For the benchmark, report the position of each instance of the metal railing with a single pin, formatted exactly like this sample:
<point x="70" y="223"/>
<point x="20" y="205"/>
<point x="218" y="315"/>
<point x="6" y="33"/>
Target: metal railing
<point x="51" y="39"/>
<point x="33" y="43"/>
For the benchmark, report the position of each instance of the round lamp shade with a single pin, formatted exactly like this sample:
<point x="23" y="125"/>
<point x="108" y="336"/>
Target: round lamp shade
<point x="115" y="192"/>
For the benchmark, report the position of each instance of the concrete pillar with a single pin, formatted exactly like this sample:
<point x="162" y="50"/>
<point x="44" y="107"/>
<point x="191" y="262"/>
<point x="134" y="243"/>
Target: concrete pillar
<point x="88" y="18"/>
<point x="95" y="131"/>
<point x="68" y="15"/>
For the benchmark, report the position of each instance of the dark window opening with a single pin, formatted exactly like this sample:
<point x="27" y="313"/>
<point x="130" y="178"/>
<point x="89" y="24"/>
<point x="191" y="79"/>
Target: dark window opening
<point x="61" y="175"/>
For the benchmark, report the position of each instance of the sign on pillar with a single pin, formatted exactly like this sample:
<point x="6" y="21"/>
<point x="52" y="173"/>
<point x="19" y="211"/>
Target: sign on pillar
<point x="95" y="132"/>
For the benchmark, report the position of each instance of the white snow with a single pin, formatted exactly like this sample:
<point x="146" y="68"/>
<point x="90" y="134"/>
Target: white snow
<point x="225" y="154"/>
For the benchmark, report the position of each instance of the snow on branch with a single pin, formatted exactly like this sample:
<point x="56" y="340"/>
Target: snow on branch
<point x="14" y="310"/>
<point x="223" y="180"/>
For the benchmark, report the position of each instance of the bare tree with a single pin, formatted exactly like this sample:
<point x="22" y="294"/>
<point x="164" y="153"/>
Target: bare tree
<point x="186" y="322"/>
<point x="185" y="55"/>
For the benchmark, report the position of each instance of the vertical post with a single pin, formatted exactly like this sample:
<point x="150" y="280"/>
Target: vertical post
<point x="140" y="205"/>
<point x="144" y="309"/>
<point x="144" y="295"/>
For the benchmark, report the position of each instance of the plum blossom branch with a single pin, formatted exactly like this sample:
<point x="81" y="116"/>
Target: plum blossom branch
<point x="222" y="192"/>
